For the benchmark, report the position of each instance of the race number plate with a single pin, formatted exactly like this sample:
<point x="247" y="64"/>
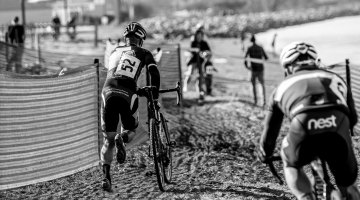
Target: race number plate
<point x="128" y="66"/>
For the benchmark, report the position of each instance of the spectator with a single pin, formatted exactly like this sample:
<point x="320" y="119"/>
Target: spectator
<point x="72" y="26"/>
<point x="242" y="40"/>
<point x="256" y="54"/>
<point x="56" y="26"/>
<point x="16" y="34"/>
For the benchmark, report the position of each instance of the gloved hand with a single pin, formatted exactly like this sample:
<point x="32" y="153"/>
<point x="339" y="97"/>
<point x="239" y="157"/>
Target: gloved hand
<point x="141" y="92"/>
<point x="261" y="155"/>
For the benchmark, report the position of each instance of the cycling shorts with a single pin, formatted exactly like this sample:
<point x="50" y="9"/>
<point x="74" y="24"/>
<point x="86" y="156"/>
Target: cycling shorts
<point x="324" y="134"/>
<point x="119" y="101"/>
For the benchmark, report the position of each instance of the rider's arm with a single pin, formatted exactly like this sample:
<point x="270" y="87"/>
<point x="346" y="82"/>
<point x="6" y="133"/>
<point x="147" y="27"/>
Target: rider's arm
<point x="154" y="74"/>
<point x="272" y="125"/>
<point x="206" y="46"/>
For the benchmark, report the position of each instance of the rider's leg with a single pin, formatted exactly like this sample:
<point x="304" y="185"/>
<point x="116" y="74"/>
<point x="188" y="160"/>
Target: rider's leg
<point x="296" y="179"/>
<point x="342" y="161"/>
<point x="298" y="183"/>
<point x="109" y="121"/>
<point x="294" y="158"/>
<point x="106" y="157"/>
<point x="130" y="119"/>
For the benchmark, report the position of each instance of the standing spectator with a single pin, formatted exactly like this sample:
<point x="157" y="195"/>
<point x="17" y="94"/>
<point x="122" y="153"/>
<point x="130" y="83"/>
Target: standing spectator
<point x="56" y="26"/>
<point x="16" y="34"/>
<point x="242" y="40"/>
<point x="256" y="54"/>
<point x="72" y="26"/>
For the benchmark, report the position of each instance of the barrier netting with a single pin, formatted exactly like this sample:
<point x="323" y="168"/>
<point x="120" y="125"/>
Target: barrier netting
<point x="351" y="73"/>
<point x="35" y="61"/>
<point x="49" y="124"/>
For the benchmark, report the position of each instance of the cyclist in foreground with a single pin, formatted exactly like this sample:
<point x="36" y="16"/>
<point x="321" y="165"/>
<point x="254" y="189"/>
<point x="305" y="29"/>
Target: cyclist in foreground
<point x="119" y="96"/>
<point x="321" y="114"/>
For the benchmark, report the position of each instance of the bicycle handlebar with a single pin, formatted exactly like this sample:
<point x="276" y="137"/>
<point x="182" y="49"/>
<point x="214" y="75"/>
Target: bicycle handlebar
<point x="177" y="89"/>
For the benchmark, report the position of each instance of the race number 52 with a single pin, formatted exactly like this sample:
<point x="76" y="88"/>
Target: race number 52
<point x="128" y="66"/>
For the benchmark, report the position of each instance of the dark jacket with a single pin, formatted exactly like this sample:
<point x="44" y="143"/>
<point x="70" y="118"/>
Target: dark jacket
<point x="257" y="52"/>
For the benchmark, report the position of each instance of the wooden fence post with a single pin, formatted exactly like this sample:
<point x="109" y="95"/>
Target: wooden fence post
<point x="97" y="65"/>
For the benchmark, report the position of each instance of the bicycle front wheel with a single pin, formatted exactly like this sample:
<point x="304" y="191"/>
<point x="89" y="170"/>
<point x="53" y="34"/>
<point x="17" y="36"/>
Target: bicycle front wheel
<point x="167" y="157"/>
<point x="157" y="153"/>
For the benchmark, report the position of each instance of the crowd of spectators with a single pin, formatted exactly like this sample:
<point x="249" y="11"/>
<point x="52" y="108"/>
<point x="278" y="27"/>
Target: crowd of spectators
<point x="232" y="25"/>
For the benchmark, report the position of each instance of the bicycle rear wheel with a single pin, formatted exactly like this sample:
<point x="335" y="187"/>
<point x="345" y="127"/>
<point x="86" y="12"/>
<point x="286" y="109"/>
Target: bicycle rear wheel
<point x="157" y="151"/>
<point x="167" y="156"/>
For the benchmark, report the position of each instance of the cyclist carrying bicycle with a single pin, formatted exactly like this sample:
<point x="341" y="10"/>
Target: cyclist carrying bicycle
<point x="321" y="113"/>
<point x="198" y="45"/>
<point x="119" y="95"/>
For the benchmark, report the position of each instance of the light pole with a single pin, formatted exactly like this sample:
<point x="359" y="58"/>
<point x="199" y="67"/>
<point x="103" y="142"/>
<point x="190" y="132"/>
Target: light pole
<point x="23" y="12"/>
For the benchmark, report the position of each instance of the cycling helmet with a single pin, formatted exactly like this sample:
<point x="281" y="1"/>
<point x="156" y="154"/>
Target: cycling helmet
<point x="298" y="53"/>
<point x="136" y="29"/>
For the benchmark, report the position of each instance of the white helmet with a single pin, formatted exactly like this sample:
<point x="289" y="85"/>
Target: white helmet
<point x="298" y="53"/>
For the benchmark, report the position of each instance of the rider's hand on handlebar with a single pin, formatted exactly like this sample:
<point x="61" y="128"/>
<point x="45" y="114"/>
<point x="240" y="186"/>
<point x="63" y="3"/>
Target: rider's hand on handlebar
<point x="261" y="155"/>
<point x="141" y="92"/>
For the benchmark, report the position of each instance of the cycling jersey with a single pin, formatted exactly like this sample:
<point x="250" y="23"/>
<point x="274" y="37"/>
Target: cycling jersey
<point x="126" y="64"/>
<point x="312" y="89"/>
<point x="257" y="52"/>
<point x="305" y="91"/>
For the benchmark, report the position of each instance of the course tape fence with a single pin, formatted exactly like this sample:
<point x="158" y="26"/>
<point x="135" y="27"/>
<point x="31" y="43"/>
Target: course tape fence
<point x="49" y="124"/>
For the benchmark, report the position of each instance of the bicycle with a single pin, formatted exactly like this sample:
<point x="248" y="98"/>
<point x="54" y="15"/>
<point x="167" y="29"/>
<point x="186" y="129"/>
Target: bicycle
<point x="322" y="186"/>
<point x="160" y="144"/>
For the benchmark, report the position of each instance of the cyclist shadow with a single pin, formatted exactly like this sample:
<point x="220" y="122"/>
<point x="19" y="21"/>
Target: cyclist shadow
<point x="240" y="190"/>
